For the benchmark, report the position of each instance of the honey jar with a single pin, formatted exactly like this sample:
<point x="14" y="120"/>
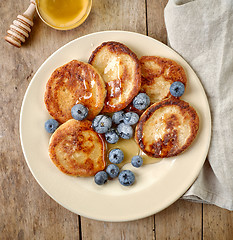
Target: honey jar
<point x="63" y="14"/>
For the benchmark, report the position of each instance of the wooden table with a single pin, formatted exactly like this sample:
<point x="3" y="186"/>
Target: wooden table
<point x="26" y="211"/>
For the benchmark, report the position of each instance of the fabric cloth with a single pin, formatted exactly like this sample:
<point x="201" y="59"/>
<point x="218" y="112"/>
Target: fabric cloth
<point x="201" y="31"/>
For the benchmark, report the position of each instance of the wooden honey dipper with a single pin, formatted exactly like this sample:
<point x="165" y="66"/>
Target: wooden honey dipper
<point x="21" y="27"/>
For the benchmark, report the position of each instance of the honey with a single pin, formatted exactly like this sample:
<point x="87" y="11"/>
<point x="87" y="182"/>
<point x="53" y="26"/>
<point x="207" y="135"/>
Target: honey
<point x="130" y="149"/>
<point x="63" y="14"/>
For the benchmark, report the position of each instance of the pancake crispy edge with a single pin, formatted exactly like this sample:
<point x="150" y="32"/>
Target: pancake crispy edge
<point x="167" y="144"/>
<point x="119" y="94"/>
<point x="158" y="73"/>
<point x="77" y="150"/>
<point x="74" y="82"/>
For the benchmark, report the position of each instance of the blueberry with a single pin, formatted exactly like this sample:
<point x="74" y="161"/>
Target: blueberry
<point x="101" y="177"/>
<point x="111" y="136"/>
<point x="141" y="101"/>
<point x="177" y="89"/>
<point x="112" y="170"/>
<point x="79" y="112"/>
<point x="118" y="117"/>
<point x="116" y="156"/>
<point x="131" y="118"/>
<point x="101" y="123"/>
<point x="51" y="125"/>
<point x="125" y="131"/>
<point x="137" y="161"/>
<point x="126" y="178"/>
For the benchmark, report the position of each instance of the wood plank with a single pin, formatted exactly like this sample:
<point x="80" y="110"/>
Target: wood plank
<point x="217" y="223"/>
<point x="155" y="19"/>
<point x="134" y="230"/>
<point x="118" y="15"/>
<point x="182" y="220"/>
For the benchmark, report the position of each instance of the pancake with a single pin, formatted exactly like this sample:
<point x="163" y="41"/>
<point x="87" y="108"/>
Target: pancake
<point x="167" y="128"/>
<point x="72" y="83"/>
<point x="157" y="76"/>
<point x="120" y="69"/>
<point x="76" y="149"/>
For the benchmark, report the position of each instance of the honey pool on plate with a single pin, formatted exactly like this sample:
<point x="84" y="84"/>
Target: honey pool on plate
<point x="63" y="14"/>
<point x="130" y="149"/>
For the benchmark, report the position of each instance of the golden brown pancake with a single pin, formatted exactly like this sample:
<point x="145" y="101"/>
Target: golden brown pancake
<point x="120" y="69"/>
<point x="157" y="76"/>
<point x="76" y="149"/>
<point x="167" y="128"/>
<point x="72" y="83"/>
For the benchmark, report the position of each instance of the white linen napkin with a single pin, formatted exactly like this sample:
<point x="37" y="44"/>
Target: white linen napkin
<point x="201" y="31"/>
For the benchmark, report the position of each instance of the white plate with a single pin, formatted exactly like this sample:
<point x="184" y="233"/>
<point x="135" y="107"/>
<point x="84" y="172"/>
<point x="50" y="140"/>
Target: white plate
<point x="157" y="186"/>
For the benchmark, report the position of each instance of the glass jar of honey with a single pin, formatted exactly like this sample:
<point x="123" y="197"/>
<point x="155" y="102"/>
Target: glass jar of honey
<point x="63" y="14"/>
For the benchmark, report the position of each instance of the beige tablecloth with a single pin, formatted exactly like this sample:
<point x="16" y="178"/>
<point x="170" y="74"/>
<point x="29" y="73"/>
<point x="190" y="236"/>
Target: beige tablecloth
<point x="201" y="31"/>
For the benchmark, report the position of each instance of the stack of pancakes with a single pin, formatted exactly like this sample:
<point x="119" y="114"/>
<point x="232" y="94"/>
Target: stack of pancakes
<point x="106" y="84"/>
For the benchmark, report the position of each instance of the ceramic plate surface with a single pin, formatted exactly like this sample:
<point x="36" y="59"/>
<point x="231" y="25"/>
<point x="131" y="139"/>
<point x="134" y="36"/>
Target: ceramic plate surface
<point x="157" y="186"/>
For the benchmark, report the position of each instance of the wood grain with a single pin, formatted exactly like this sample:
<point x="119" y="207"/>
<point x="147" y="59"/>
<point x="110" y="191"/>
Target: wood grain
<point x="217" y="223"/>
<point x="135" y="230"/>
<point x="118" y="15"/>
<point x="182" y="220"/>
<point x="155" y="19"/>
